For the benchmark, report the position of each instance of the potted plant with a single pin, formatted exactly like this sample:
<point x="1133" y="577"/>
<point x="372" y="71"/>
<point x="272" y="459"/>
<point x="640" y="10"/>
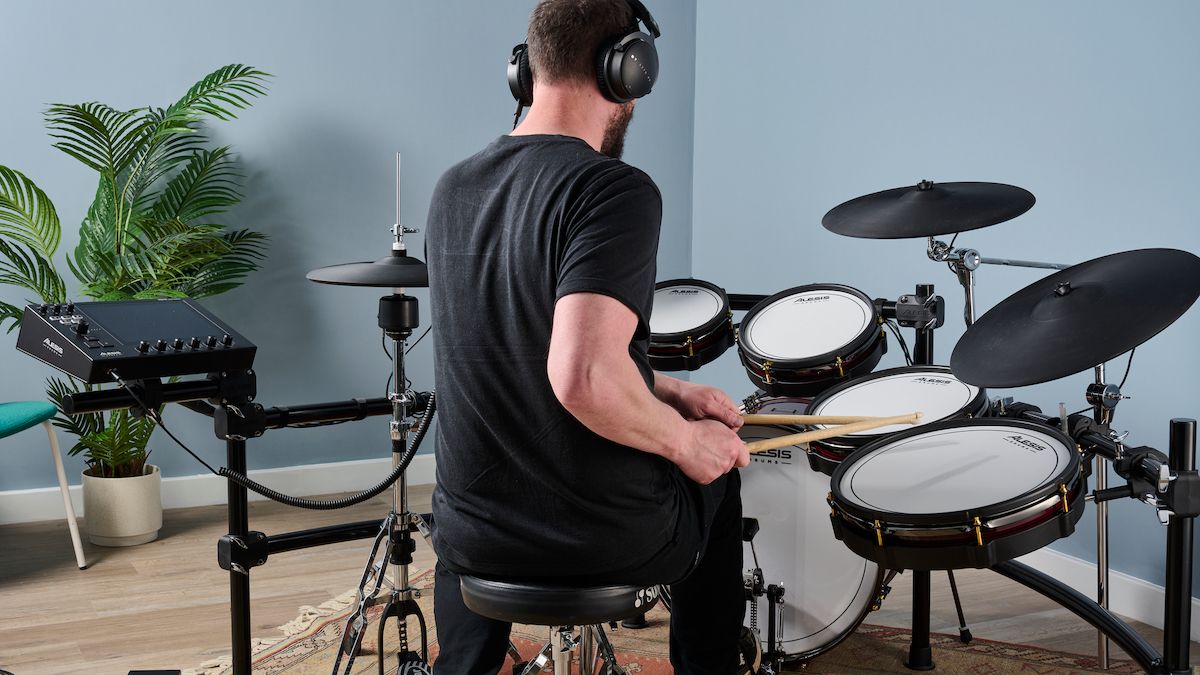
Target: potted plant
<point x="148" y="234"/>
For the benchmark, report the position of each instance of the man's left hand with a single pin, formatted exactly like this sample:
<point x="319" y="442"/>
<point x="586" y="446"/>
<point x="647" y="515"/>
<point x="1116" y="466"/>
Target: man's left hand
<point x="700" y="401"/>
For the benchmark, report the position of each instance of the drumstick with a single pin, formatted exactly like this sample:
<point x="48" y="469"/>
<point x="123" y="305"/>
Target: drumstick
<point x="805" y="437"/>
<point x="775" y="418"/>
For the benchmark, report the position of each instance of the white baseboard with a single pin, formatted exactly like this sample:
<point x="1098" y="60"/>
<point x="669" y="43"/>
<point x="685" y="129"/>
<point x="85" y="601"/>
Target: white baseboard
<point x="1128" y="596"/>
<point x="24" y="506"/>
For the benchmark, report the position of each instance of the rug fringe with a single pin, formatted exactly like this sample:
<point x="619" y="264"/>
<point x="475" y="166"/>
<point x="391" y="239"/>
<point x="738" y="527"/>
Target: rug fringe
<point x="308" y="616"/>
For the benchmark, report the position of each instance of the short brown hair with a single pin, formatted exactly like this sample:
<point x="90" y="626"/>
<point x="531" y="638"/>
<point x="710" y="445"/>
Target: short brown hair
<point x="564" y="36"/>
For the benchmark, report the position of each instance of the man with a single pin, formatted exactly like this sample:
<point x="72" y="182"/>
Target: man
<point x="561" y="455"/>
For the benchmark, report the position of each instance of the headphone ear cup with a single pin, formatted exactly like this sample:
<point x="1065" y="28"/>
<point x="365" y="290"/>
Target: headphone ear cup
<point x="627" y="67"/>
<point x="604" y="58"/>
<point x="520" y="76"/>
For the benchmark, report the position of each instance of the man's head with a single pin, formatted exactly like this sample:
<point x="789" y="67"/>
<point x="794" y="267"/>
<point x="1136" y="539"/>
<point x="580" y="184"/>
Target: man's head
<point x="565" y="39"/>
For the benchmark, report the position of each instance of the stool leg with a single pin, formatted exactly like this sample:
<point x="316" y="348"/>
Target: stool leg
<point x="66" y="494"/>
<point x="562" y="650"/>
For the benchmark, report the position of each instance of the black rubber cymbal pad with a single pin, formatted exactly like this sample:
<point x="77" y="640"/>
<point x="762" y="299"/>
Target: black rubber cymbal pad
<point x="1078" y="318"/>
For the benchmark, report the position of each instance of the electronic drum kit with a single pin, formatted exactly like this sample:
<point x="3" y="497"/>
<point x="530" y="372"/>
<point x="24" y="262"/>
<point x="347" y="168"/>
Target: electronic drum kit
<point x="973" y="484"/>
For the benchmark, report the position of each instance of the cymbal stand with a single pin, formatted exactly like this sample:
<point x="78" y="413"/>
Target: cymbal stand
<point x="398" y="317"/>
<point x="1104" y="398"/>
<point x="964" y="261"/>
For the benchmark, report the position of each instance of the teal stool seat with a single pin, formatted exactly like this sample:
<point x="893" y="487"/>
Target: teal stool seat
<point x="21" y="415"/>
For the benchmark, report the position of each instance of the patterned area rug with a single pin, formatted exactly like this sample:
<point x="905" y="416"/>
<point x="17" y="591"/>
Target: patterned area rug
<point x="310" y="643"/>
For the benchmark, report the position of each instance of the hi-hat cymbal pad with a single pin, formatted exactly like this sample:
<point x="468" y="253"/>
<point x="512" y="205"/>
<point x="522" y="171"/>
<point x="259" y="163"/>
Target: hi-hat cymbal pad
<point x="395" y="271"/>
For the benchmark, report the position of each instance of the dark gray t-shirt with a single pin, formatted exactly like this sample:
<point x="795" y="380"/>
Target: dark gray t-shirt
<point x="523" y="488"/>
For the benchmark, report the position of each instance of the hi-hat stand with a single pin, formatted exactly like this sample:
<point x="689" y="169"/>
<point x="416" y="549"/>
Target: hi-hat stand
<point x="398" y="317"/>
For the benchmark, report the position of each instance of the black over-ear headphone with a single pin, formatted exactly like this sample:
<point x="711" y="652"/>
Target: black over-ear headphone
<point x="626" y="64"/>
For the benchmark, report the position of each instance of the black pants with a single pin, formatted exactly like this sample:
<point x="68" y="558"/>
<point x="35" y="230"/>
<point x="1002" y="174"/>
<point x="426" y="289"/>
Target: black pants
<point x="707" y="602"/>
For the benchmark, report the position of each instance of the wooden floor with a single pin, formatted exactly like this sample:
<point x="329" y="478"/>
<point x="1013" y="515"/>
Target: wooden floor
<point x="165" y="604"/>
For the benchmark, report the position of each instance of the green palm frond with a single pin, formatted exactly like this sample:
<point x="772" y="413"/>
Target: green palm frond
<point x="245" y="250"/>
<point x="26" y="269"/>
<point x="206" y="185"/>
<point x="103" y="138"/>
<point x="10" y="313"/>
<point x="80" y="426"/>
<point x="219" y="94"/>
<point x="27" y="214"/>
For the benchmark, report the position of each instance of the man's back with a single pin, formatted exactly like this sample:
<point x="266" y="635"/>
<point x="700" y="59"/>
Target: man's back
<point x="524" y="489"/>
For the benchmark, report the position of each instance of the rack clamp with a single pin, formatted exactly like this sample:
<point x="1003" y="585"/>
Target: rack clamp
<point x="1182" y="497"/>
<point x="918" y="310"/>
<point x="239" y="554"/>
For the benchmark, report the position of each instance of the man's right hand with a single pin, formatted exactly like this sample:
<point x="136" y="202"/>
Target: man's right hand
<point x="714" y="449"/>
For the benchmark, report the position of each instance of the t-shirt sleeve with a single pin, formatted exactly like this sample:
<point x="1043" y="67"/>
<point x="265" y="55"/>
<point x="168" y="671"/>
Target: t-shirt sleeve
<point x="612" y="242"/>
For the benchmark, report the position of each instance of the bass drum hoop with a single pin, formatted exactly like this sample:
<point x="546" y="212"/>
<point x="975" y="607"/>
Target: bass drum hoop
<point x="668" y="351"/>
<point x="877" y="590"/>
<point x="848" y="352"/>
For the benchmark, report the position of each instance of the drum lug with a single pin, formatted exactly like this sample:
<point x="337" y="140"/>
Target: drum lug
<point x="832" y="508"/>
<point x="841" y="370"/>
<point x="1062" y="490"/>
<point x="879" y="532"/>
<point x="767" y="372"/>
<point x="690" y="346"/>
<point x="978" y="531"/>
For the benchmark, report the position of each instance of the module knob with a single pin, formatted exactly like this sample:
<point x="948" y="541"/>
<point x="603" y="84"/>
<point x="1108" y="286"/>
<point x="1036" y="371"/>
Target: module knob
<point x="177" y="344"/>
<point x="227" y="340"/>
<point x="81" y="328"/>
<point x="143" y="346"/>
<point x="211" y="341"/>
<point x="161" y="345"/>
<point x="194" y="343"/>
<point x="70" y="308"/>
<point x="43" y="309"/>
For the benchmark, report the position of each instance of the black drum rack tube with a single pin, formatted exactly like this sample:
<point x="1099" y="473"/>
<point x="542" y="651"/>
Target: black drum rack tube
<point x="236" y="390"/>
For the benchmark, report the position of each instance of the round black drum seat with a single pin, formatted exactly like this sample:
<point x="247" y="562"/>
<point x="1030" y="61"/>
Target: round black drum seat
<point x="553" y="604"/>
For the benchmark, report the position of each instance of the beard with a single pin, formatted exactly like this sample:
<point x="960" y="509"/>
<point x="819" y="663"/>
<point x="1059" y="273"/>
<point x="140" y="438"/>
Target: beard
<point x="613" y="144"/>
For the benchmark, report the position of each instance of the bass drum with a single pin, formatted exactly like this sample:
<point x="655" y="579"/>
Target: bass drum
<point x="828" y="590"/>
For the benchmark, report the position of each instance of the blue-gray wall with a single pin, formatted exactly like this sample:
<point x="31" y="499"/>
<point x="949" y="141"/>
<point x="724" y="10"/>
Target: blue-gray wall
<point x="354" y="83"/>
<point x="1093" y="106"/>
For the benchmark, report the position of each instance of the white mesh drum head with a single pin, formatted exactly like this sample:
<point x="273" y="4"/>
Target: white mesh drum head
<point x="935" y="393"/>
<point x="957" y="469"/>
<point x="681" y="308"/>
<point x="808" y="324"/>
<point x="827" y="588"/>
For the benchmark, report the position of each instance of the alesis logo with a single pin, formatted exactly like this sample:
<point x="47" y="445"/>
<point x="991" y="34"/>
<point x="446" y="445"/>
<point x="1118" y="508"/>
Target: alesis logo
<point x="812" y="298"/>
<point x="776" y="456"/>
<point x="49" y="344"/>
<point x="931" y="380"/>
<point x="684" y="291"/>
<point x="1018" y="439"/>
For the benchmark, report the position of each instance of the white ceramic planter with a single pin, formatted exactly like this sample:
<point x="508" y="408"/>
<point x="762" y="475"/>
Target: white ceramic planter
<point x="123" y="511"/>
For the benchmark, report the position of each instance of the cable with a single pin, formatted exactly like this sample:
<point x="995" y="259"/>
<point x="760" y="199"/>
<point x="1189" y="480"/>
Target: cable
<point x="158" y="419"/>
<point x="314" y="504"/>
<point x="1128" y="365"/>
<point x="410" y="347"/>
<point x="900" y="338"/>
